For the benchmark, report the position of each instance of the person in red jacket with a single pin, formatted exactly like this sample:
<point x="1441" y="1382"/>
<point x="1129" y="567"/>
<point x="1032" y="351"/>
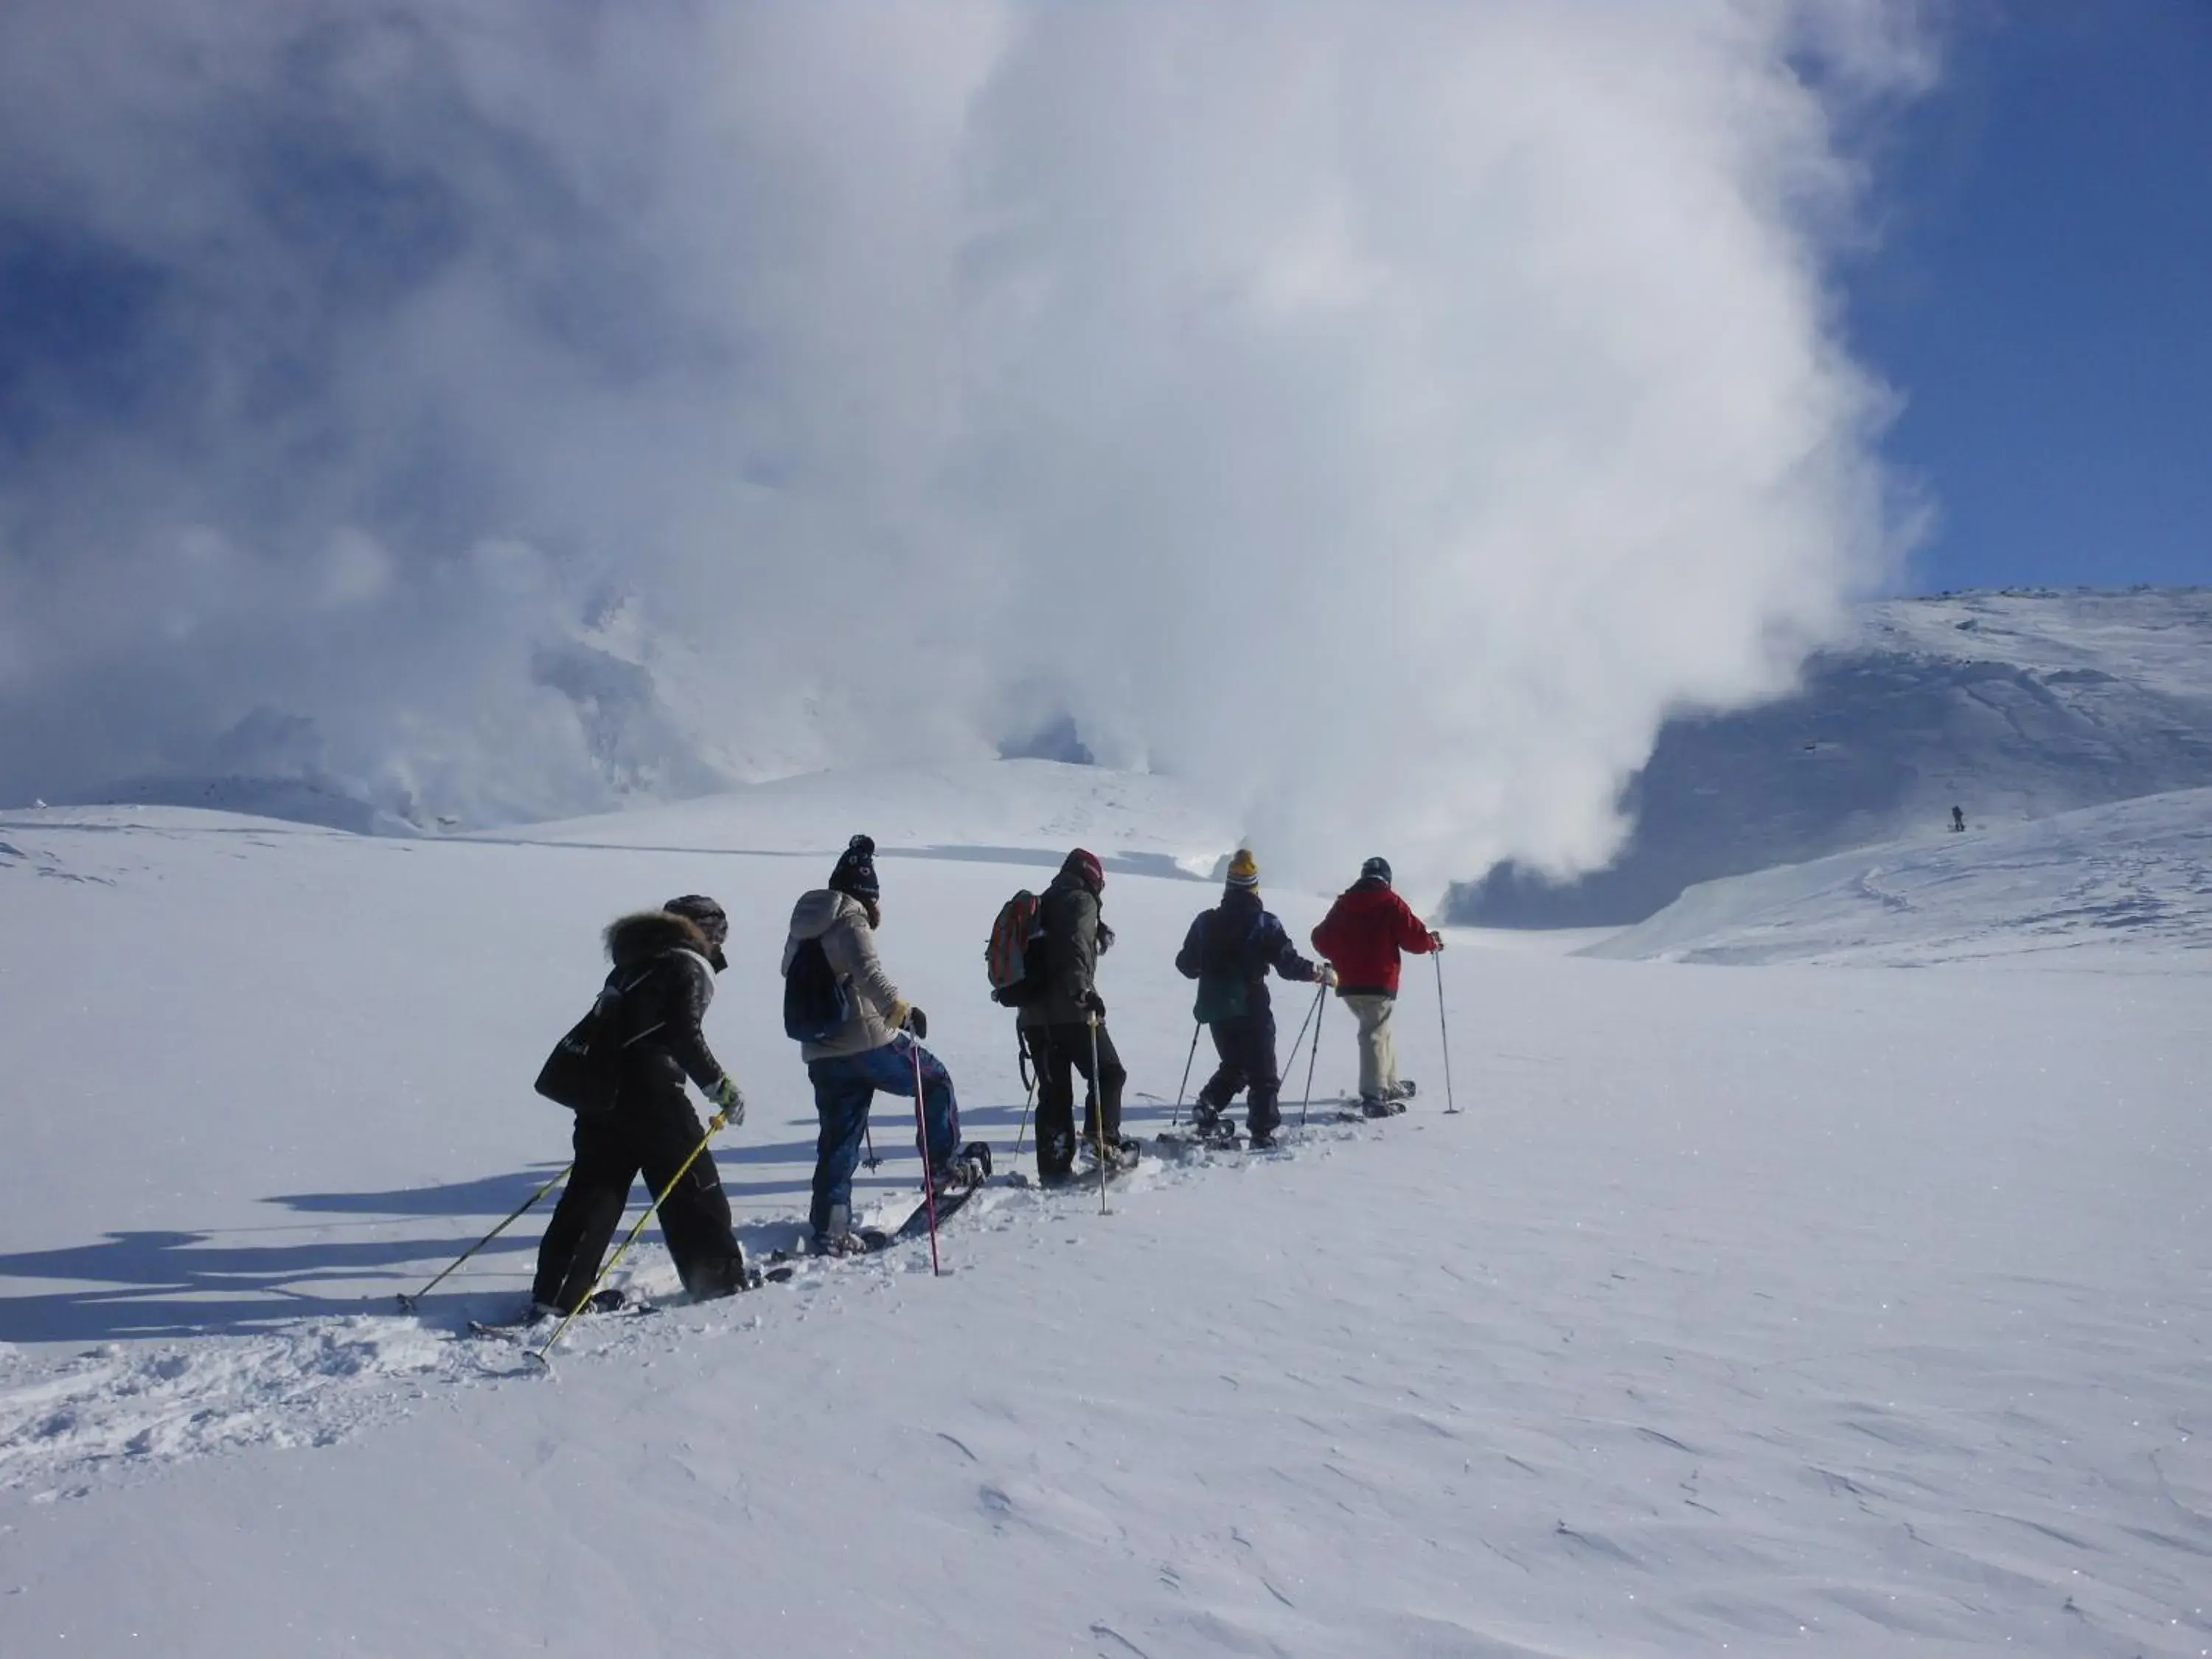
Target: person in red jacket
<point x="1361" y="936"/>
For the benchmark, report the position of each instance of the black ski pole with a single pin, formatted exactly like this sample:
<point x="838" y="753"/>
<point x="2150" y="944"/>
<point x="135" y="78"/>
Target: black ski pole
<point x="409" y="1302"/>
<point x="1320" y="998"/>
<point x="869" y="1135"/>
<point x="1028" y="1089"/>
<point x="1444" y="1031"/>
<point x="1098" y="1115"/>
<point x="1183" y="1087"/>
<point x="1291" y="1062"/>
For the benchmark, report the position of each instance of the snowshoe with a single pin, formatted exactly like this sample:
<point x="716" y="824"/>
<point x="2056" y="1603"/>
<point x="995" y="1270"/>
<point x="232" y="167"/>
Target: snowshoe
<point x="1117" y="1155"/>
<point x="964" y="1171"/>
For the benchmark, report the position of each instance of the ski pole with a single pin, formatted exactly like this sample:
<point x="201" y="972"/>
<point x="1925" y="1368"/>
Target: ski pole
<point x="1183" y="1087"/>
<point x="1099" y="1115"/>
<point x="1321" y="999"/>
<point x="870" y="1135"/>
<point x="1028" y="1089"/>
<point x="1444" y="1031"/>
<point x="713" y="1127"/>
<point x="929" y="1171"/>
<point x="409" y="1302"/>
<point x="1291" y="1063"/>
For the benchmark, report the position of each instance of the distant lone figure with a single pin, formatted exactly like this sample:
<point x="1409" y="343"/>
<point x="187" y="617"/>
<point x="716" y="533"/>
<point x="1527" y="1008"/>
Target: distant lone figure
<point x="1958" y="820"/>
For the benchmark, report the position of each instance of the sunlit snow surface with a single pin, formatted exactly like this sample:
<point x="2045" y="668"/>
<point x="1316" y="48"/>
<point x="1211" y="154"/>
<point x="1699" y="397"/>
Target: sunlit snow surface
<point x="2127" y="886"/>
<point x="1813" y="1309"/>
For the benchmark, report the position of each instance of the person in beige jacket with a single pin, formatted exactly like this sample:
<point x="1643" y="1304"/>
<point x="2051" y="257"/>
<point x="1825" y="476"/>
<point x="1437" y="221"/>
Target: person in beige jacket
<point x="878" y="1045"/>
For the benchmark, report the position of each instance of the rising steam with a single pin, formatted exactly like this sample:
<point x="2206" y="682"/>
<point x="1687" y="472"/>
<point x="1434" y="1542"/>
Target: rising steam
<point x="1384" y="415"/>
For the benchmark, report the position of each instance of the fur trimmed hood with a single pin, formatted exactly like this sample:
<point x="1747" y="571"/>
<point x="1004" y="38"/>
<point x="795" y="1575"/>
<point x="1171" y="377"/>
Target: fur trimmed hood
<point x="649" y="934"/>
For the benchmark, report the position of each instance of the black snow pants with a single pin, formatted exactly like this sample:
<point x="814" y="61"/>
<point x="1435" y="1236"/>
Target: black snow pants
<point x="649" y="1132"/>
<point x="1056" y="1053"/>
<point x="1246" y="1047"/>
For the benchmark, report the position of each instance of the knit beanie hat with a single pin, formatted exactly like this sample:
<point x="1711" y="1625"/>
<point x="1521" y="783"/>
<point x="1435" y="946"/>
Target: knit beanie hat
<point x="1244" y="869"/>
<point x="1376" y="870"/>
<point x="1086" y="868"/>
<point x="855" y="873"/>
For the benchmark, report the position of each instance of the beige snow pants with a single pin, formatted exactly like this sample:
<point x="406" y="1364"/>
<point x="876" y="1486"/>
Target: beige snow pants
<point x="1379" y="1047"/>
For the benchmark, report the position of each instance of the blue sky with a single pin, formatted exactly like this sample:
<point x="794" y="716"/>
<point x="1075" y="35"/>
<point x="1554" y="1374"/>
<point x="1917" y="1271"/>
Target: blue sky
<point x="2043" y="296"/>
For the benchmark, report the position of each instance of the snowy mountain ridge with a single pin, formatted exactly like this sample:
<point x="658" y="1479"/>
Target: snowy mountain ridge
<point x="2127" y="885"/>
<point x="2014" y="706"/>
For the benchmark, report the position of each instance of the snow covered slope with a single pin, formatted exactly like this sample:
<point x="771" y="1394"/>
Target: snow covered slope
<point x="1789" y="1309"/>
<point x="2014" y="706"/>
<point x="995" y="808"/>
<point x="2128" y="885"/>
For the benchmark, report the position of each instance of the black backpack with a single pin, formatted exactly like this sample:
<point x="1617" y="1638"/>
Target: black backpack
<point x="584" y="1072"/>
<point x="815" y="1002"/>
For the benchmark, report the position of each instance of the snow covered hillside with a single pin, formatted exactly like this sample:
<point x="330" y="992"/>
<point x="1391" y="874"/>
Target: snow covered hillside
<point x="2124" y="886"/>
<point x="2014" y="706"/>
<point x="1801" y="1309"/>
<point x="1008" y="810"/>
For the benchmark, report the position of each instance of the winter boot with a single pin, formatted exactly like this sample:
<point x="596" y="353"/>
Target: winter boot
<point x="1118" y="1155"/>
<point x="969" y="1168"/>
<point x="838" y="1244"/>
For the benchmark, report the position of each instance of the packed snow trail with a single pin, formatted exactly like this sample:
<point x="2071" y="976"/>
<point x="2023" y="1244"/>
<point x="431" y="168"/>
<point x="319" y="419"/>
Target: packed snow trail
<point x="1739" y="1310"/>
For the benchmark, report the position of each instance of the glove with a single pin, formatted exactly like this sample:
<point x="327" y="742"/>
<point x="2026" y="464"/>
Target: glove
<point x="728" y="1101"/>
<point x="1435" y="940"/>
<point x="1094" y="1005"/>
<point x="1325" y="975"/>
<point x="918" y="1023"/>
<point x="1105" y="939"/>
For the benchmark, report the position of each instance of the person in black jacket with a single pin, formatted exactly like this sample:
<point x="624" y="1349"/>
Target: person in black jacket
<point x="664" y="963"/>
<point x="1228" y="951"/>
<point x="1056" y="1029"/>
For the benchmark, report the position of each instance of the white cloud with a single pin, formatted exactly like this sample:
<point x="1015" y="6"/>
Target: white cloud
<point x="1387" y="412"/>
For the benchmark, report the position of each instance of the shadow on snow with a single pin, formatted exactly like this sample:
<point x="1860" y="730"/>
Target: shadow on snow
<point x="238" y="1280"/>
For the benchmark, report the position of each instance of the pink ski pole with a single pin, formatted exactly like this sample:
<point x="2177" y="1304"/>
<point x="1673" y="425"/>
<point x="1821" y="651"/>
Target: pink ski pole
<point x="928" y="1174"/>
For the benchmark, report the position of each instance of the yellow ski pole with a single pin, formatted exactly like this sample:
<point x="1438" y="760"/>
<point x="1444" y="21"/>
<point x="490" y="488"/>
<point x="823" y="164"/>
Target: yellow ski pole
<point x="409" y="1302"/>
<point x="713" y="1127"/>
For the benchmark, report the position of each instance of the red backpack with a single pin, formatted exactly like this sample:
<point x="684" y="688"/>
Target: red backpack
<point x="1015" y="957"/>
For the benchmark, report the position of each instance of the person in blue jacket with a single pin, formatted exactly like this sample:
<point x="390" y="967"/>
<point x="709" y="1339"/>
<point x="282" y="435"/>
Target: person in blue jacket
<point x="1229" y="950"/>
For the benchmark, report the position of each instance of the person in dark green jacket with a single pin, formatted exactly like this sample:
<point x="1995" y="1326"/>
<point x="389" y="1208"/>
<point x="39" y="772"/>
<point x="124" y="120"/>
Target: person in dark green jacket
<point x="1056" y="1029"/>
